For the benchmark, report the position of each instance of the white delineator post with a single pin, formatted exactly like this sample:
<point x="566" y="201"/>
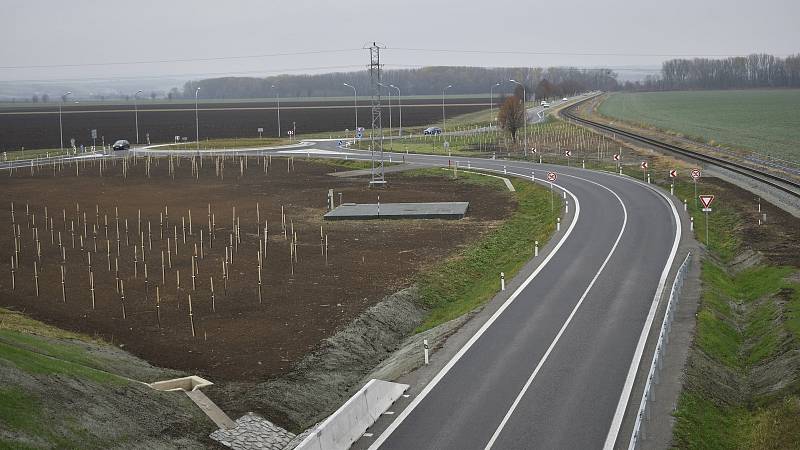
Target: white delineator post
<point x="502" y="281"/>
<point x="427" y="351"/>
<point x="535" y="248"/>
<point x="558" y="224"/>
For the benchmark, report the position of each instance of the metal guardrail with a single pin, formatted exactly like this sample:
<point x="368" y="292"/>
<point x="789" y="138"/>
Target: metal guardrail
<point x="648" y="397"/>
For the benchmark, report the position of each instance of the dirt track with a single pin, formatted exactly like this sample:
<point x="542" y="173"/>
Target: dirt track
<point x="242" y="340"/>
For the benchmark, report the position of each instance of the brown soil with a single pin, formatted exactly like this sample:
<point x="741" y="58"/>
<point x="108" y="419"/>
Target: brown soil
<point x="776" y="240"/>
<point x="242" y="340"/>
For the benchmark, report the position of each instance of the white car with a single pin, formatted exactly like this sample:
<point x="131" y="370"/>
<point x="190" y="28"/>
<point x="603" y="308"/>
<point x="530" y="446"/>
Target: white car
<point x="564" y="99"/>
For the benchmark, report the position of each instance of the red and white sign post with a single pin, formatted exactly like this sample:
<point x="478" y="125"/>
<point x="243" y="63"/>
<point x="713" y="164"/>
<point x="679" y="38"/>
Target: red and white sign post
<point x="706" y="200"/>
<point x="644" y="170"/>
<point x="552" y="177"/>
<point x="695" y="176"/>
<point x="617" y="158"/>
<point x="672" y="175"/>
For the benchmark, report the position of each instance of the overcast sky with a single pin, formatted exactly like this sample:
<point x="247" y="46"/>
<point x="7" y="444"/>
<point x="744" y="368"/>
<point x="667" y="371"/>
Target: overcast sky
<point x="637" y="32"/>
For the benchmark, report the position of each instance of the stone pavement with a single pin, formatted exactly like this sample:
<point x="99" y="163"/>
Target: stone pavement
<point x="253" y="432"/>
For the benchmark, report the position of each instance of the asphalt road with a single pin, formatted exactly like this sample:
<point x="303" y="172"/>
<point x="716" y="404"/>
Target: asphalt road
<point x="552" y="368"/>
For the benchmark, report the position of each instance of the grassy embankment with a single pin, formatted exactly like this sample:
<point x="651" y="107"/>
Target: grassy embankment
<point x="766" y="122"/>
<point x="742" y="380"/>
<point x="62" y="390"/>
<point x="471" y="277"/>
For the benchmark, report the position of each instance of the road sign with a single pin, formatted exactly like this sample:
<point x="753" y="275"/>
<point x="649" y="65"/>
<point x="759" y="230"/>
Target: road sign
<point x="695" y="174"/>
<point x="644" y="165"/>
<point x="616" y="157"/>
<point x="568" y="153"/>
<point x="260" y="130"/>
<point x="706" y="201"/>
<point x="446" y="144"/>
<point x="552" y="177"/>
<point x="533" y="149"/>
<point x="673" y="173"/>
<point x="290" y="132"/>
<point x="340" y="143"/>
<point x="360" y="129"/>
<point x="359" y="135"/>
<point x="94" y="133"/>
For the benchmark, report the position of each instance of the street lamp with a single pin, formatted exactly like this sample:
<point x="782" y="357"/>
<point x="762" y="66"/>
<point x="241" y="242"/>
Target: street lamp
<point x="525" y="116"/>
<point x="355" y="108"/>
<point x="391" y="146"/>
<point x="196" y="120"/>
<point x="444" y="119"/>
<point x="136" y="113"/>
<point x="400" y="107"/>
<point x="278" y="96"/>
<point x="491" y="100"/>
<point x="60" y="126"/>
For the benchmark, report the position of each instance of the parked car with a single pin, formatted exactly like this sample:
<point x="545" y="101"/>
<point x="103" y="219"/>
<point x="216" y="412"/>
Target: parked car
<point x="121" y="145"/>
<point x="432" y="130"/>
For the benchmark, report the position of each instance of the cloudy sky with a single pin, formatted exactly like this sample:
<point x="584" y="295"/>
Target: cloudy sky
<point x="82" y="39"/>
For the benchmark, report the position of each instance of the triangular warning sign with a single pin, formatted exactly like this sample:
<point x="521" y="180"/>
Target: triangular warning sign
<point x="706" y="200"/>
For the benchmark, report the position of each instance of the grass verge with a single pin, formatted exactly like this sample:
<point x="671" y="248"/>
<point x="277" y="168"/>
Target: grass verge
<point x="470" y="278"/>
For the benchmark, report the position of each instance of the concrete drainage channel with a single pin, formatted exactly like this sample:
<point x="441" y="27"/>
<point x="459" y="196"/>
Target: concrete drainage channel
<point x="191" y="386"/>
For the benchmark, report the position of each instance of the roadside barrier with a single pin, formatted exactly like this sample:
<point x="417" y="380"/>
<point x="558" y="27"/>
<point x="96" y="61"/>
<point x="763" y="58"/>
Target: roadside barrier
<point x="643" y="415"/>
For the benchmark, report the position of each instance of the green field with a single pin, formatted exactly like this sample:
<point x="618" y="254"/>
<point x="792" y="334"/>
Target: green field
<point x="761" y="121"/>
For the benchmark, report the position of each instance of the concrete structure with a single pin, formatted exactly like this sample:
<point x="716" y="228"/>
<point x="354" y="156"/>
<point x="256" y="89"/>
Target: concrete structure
<point x="368" y="211"/>
<point x="348" y="423"/>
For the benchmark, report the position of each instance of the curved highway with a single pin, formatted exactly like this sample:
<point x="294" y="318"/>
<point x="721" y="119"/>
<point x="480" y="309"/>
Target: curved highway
<point x="554" y="366"/>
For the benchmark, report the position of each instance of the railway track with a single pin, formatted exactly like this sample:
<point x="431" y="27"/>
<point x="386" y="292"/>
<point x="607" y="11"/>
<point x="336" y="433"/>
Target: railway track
<point x="774" y="181"/>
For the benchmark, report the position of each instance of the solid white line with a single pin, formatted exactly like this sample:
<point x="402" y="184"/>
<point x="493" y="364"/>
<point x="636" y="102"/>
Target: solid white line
<point x="565" y="325"/>
<point x="429" y="387"/>
<point x="619" y="414"/>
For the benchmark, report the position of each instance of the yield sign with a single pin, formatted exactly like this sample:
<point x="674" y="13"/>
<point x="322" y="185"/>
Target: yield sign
<point x="673" y="173"/>
<point x="644" y="165"/>
<point x="706" y="200"/>
<point x="616" y="157"/>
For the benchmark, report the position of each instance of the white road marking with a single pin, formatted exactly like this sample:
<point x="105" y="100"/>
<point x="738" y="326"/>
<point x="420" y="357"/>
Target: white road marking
<point x="619" y="414"/>
<point x="565" y="325"/>
<point x="429" y="387"/>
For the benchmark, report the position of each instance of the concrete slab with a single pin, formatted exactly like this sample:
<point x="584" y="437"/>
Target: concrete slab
<point x="371" y="211"/>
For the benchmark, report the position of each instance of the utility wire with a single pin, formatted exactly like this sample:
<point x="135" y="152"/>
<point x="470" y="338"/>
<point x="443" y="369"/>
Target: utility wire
<point x="553" y="53"/>
<point x="161" y="61"/>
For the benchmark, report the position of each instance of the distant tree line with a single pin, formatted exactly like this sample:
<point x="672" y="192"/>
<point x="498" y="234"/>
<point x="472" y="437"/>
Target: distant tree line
<point x="543" y="83"/>
<point x="753" y="71"/>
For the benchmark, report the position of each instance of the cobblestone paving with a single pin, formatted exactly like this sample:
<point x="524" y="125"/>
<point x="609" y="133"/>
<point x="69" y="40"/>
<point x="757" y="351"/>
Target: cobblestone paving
<point x="253" y="432"/>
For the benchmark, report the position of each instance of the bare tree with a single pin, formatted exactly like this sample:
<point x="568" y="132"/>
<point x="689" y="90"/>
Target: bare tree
<point x="511" y="116"/>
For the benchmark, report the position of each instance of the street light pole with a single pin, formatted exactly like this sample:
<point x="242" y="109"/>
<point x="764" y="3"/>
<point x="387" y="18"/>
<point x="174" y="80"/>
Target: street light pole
<point x="444" y="118"/>
<point x="391" y="143"/>
<point x="525" y="118"/>
<point x="278" y="96"/>
<point x="355" y="108"/>
<point x="491" y="101"/>
<point x="196" y="121"/>
<point x="400" y="107"/>
<point x="136" y="113"/>
<point x="60" y="125"/>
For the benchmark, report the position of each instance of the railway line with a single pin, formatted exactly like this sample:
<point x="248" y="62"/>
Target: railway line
<point x="772" y="180"/>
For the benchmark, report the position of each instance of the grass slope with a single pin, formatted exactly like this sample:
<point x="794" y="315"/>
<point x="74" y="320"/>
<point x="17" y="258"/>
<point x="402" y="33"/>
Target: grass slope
<point x="470" y="278"/>
<point x="761" y="121"/>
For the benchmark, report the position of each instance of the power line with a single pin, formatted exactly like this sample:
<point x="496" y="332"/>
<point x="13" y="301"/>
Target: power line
<point x="162" y="61"/>
<point x="188" y="75"/>
<point x="554" y="53"/>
